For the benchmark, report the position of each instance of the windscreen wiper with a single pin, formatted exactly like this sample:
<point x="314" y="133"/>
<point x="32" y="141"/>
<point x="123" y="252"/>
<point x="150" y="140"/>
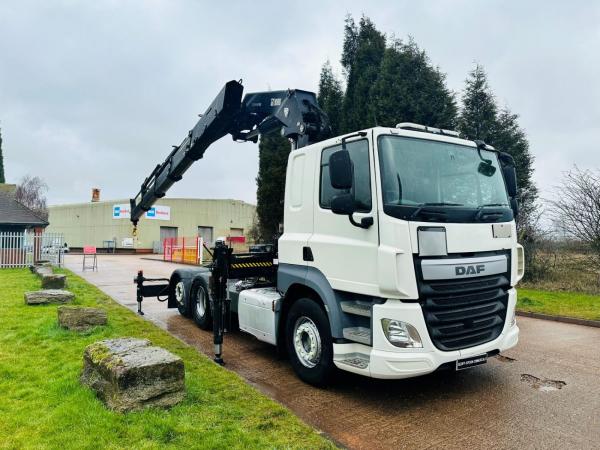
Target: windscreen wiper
<point x="442" y="204"/>
<point x="422" y="210"/>
<point x="495" y="215"/>
<point x="487" y="205"/>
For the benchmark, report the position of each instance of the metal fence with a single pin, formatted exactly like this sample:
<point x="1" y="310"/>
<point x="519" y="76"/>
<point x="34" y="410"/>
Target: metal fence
<point x="25" y="248"/>
<point x="186" y="250"/>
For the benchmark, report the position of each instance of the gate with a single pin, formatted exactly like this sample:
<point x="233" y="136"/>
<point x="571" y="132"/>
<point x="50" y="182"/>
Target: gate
<point x="183" y="250"/>
<point x="25" y="248"/>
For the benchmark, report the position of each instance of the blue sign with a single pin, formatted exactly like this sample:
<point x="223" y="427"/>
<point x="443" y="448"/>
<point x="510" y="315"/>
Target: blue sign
<point x="151" y="212"/>
<point x="117" y="211"/>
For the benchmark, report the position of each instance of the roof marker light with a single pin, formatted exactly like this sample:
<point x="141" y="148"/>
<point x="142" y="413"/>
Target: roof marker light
<point x="451" y="133"/>
<point x="418" y="127"/>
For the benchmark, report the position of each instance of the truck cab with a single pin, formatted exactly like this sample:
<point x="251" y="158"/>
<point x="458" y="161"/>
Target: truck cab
<point x="399" y="254"/>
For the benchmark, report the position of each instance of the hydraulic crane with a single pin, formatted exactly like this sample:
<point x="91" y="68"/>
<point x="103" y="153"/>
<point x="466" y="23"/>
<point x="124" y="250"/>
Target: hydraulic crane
<point x="294" y="113"/>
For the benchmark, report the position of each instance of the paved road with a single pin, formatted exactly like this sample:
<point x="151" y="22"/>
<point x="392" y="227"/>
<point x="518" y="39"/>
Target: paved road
<point x="545" y="393"/>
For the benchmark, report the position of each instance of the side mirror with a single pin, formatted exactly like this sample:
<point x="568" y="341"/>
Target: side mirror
<point x="340" y="170"/>
<point x="510" y="175"/>
<point x="514" y="205"/>
<point x="342" y="204"/>
<point x="509" y="172"/>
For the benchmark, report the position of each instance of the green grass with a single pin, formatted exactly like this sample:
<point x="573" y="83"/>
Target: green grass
<point x="42" y="404"/>
<point x="568" y="304"/>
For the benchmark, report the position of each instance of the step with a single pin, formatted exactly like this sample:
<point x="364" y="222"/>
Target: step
<point x="357" y="307"/>
<point x="357" y="360"/>
<point x="361" y="335"/>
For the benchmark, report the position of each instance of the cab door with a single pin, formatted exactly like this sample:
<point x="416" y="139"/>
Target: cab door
<point x="344" y="253"/>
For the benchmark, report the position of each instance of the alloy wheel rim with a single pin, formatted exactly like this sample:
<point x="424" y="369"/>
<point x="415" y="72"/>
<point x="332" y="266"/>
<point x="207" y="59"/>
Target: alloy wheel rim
<point x="201" y="302"/>
<point x="179" y="292"/>
<point x="307" y="342"/>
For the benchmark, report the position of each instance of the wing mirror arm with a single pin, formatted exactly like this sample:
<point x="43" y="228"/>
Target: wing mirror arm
<point x="365" y="222"/>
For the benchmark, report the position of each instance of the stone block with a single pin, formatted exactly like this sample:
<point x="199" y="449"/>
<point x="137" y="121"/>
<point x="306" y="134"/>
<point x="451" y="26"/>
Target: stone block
<point x="130" y="374"/>
<point x="41" y="270"/>
<point x="54" y="281"/>
<point x="48" y="296"/>
<point x="77" y="318"/>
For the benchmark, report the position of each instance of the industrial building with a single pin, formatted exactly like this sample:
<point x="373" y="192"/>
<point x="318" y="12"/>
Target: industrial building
<point x="106" y="224"/>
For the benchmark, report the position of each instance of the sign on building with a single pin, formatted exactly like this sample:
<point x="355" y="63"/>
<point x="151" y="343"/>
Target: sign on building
<point x="122" y="211"/>
<point x="158" y="212"/>
<point x="127" y="242"/>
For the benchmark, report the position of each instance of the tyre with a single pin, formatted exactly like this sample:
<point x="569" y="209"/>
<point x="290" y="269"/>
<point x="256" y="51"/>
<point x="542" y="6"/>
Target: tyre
<point x="180" y="294"/>
<point x="200" y="305"/>
<point x="309" y="343"/>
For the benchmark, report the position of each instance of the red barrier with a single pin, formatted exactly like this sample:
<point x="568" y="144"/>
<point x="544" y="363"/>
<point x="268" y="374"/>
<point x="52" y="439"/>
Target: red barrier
<point x="183" y="250"/>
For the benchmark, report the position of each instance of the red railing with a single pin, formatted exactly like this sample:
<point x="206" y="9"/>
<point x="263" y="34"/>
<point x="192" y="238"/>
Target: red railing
<point x="186" y="250"/>
<point x="190" y="250"/>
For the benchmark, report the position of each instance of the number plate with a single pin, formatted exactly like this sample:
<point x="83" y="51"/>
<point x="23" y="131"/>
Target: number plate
<point x="467" y="363"/>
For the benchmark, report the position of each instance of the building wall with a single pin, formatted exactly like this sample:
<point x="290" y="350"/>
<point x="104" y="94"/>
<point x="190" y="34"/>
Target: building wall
<point x="92" y="223"/>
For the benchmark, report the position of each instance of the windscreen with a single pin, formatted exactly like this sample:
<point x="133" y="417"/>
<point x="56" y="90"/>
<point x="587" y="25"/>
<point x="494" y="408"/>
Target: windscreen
<point x="419" y="172"/>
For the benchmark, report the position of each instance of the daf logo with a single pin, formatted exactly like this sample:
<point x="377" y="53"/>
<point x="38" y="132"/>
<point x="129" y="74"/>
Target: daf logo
<point x="469" y="270"/>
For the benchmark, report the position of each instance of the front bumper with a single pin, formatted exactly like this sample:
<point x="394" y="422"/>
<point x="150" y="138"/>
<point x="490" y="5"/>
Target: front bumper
<point x="388" y="361"/>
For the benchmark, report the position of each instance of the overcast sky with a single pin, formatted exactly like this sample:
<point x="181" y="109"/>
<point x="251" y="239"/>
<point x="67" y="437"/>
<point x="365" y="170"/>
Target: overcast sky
<point x="93" y="94"/>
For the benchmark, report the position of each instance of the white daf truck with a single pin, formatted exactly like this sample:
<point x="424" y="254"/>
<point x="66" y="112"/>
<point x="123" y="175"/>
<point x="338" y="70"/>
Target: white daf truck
<point x="398" y="257"/>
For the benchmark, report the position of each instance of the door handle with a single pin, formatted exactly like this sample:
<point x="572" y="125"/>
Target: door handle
<point x="307" y="254"/>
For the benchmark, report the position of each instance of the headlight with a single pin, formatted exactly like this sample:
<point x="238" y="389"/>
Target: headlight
<point x="401" y="334"/>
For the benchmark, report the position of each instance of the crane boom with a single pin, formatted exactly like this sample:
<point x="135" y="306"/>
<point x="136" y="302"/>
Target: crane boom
<point x="295" y="113"/>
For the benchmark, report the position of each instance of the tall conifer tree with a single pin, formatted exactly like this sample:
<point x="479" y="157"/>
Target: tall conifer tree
<point x="479" y="115"/>
<point x="410" y="89"/>
<point x="331" y="97"/>
<point x="2" y="177"/>
<point x="363" y="51"/>
<point x="273" y="151"/>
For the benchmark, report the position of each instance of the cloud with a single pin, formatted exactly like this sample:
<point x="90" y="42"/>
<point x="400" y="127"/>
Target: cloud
<point x="94" y="94"/>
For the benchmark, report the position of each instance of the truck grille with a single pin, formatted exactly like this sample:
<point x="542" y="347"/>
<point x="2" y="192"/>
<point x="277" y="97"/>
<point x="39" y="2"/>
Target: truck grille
<point x="464" y="313"/>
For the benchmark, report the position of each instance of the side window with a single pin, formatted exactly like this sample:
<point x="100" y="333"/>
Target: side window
<point x="359" y="154"/>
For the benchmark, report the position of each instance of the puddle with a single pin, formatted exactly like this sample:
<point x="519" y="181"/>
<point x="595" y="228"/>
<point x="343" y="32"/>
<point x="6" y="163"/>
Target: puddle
<point x="543" y="385"/>
<point x="503" y="358"/>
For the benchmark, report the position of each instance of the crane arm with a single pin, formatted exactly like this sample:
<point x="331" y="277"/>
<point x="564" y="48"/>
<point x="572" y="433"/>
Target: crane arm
<point x="295" y="113"/>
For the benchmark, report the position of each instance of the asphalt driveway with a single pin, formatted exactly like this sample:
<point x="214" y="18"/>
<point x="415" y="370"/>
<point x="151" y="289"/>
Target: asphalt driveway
<point x="545" y="393"/>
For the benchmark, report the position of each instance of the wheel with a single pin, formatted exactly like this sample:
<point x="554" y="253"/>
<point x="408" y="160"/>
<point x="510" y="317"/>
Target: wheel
<point x="309" y="343"/>
<point x="183" y="305"/>
<point x="200" y="305"/>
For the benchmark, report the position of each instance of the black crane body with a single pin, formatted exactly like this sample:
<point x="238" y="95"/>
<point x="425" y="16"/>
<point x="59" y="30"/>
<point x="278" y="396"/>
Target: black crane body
<point x="295" y="114"/>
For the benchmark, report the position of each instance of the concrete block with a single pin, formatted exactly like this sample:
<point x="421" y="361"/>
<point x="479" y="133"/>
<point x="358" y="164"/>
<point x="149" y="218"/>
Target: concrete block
<point x="48" y="296"/>
<point x="129" y="374"/>
<point x="78" y="318"/>
<point x="54" y="281"/>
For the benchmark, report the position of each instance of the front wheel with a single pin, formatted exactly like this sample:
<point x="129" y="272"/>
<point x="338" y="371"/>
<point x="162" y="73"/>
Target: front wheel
<point x="200" y="305"/>
<point x="309" y="342"/>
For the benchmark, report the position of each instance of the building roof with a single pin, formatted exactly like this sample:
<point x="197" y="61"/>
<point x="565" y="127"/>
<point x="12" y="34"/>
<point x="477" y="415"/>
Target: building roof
<point x="14" y="213"/>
